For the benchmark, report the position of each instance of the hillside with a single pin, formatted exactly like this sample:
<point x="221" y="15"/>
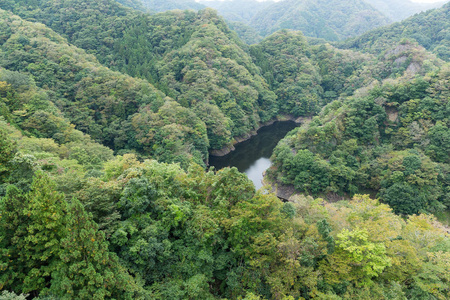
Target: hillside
<point x="387" y="139"/>
<point x="107" y="117"/>
<point x="430" y="29"/>
<point x="164" y="5"/>
<point x="238" y="10"/>
<point x="107" y="105"/>
<point x="246" y="33"/>
<point x="192" y="57"/>
<point x="135" y="4"/>
<point x="401" y="9"/>
<point x="335" y="20"/>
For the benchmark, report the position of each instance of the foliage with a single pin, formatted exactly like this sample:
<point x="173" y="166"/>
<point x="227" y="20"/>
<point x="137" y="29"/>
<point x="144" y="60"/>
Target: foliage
<point x="163" y="5"/>
<point x="78" y="221"/>
<point x="88" y="269"/>
<point x="331" y="20"/>
<point x="430" y="29"/>
<point x="48" y="246"/>
<point x="32" y="225"/>
<point x="283" y="57"/>
<point x="238" y="10"/>
<point x="7" y="149"/>
<point x="382" y="141"/>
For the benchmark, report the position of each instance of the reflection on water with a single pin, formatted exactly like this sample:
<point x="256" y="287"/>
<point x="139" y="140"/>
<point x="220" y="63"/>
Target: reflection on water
<point x="256" y="170"/>
<point x="252" y="157"/>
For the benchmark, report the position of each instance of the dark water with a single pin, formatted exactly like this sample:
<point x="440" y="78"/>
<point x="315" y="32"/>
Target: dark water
<point x="252" y="156"/>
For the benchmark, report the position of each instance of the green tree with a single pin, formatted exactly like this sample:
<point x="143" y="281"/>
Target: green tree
<point x="32" y="226"/>
<point x="403" y="198"/>
<point x="7" y="151"/>
<point x="356" y="259"/>
<point x="88" y="270"/>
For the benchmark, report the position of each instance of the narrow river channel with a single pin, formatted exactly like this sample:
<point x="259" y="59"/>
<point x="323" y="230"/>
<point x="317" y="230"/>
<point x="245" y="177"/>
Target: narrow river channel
<point x="252" y="156"/>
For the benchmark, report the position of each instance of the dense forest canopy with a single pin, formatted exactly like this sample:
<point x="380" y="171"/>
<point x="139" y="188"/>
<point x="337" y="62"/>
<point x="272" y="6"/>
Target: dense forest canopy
<point x="331" y="20"/>
<point x="431" y="29"/>
<point x="184" y="58"/>
<point x="328" y="20"/>
<point x="108" y="113"/>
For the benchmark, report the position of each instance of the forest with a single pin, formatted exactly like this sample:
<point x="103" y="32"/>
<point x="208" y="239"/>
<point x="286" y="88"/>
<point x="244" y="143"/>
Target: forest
<point x="109" y="112"/>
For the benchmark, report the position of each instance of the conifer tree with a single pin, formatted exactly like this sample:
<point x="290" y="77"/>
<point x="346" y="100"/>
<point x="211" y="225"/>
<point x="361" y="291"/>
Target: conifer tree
<point x="13" y="228"/>
<point x="31" y="228"/>
<point x="88" y="269"/>
<point x="7" y="151"/>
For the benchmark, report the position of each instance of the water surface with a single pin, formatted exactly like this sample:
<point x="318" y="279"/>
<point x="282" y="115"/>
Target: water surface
<point x="252" y="156"/>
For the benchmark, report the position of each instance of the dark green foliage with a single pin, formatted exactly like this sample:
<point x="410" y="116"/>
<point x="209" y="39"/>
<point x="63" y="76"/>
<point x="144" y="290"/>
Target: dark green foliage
<point x="362" y="143"/>
<point x="325" y="229"/>
<point x="50" y="247"/>
<point x="403" y="198"/>
<point x="285" y="62"/>
<point x="7" y="150"/>
<point x="32" y="226"/>
<point x="430" y="29"/>
<point x="439" y="147"/>
<point x="88" y="270"/>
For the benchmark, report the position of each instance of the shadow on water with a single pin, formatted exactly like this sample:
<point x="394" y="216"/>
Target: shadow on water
<point x="252" y="156"/>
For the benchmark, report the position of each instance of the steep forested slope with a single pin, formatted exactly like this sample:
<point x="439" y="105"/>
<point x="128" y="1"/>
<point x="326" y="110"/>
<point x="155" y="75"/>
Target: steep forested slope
<point x="306" y="77"/>
<point x="431" y="29"/>
<point x="387" y="139"/>
<point x="192" y="57"/>
<point x="331" y="20"/>
<point x="105" y="104"/>
<point x="77" y="222"/>
<point x="246" y="33"/>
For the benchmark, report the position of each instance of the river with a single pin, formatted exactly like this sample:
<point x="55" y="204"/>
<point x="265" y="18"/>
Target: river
<point x="252" y="156"/>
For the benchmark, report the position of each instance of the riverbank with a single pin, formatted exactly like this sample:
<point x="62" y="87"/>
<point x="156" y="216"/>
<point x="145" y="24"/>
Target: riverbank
<point x="252" y="156"/>
<point x="288" y="193"/>
<point x="227" y="149"/>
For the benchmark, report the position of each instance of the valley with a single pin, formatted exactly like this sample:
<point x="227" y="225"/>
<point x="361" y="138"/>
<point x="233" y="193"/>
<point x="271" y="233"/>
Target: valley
<point x="111" y="113"/>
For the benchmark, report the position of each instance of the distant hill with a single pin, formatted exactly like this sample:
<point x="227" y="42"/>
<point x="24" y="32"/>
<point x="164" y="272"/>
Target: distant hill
<point x="135" y="4"/>
<point x="248" y="34"/>
<point x="238" y="10"/>
<point x="164" y="5"/>
<point x="332" y="20"/>
<point x="431" y="29"/>
<point x="398" y="10"/>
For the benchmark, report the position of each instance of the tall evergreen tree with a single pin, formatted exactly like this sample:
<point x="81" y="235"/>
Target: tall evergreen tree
<point x="31" y="228"/>
<point x="7" y="151"/>
<point x="89" y="270"/>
